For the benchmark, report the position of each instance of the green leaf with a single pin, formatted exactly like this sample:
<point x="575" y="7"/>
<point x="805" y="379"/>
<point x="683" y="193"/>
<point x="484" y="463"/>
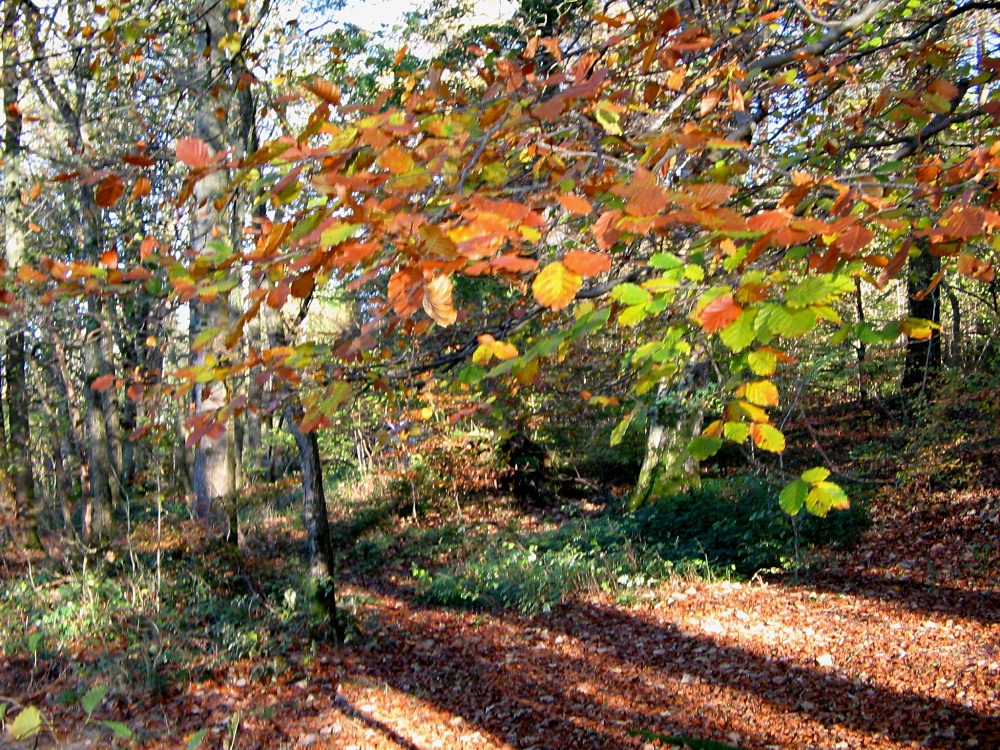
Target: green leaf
<point x="632" y="315"/>
<point x="630" y="294"/>
<point x="27" y="723"/>
<point x="621" y="428"/>
<point x="665" y="261"/>
<point x="93" y="697"/>
<point x="763" y="362"/>
<point x="807" y="292"/>
<point x="704" y="447"/>
<point x="338" y="234"/>
<point x="817" y="474"/>
<point x="195" y="740"/>
<point x="793" y="497"/>
<point x="739" y="334"/>
<point x="120" y="731"/>
<point x="3" y="712"/>
<point x="786" y="322"/>
<point x="738" y="432"/>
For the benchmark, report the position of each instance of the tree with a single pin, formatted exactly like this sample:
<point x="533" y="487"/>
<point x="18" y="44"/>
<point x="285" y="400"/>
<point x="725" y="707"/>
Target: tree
<point x="690" y="164"/>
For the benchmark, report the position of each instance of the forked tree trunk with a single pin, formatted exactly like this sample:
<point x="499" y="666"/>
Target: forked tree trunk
<point x="676" y="419"/>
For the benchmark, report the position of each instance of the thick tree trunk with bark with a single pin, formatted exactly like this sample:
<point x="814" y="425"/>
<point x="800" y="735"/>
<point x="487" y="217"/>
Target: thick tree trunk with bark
<point x="97" y="512"/>
<point x="676" y="419"/>
<point x="214" y="465"/>
<point x="18" y="468"/>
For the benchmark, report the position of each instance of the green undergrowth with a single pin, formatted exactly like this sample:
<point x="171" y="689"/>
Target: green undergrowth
<point x="728" y="528"/>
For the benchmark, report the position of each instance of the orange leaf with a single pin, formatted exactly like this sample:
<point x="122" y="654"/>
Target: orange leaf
<point x="28" y="274"/>
<point x="720" y="313"/>
<point x="514" y="263"/>
<point x="708" y="102"/>
<point x="328" y="92"/>
<point x="396" y="160"/>
<point x="767" y="220"/>
<point x="556" y="286"/>
<point x="965" y="222"/>
<point x="109" y="259"/>
<point x="147" y="247"/>
<point x="438" y="243"/>
<point x="102" y="383"/>
<point x="438" y="302"/>
<point x="143" y="186"/>
<point x="277" y="297"/>
<point x="587" y="264"/>
<point x="109" y="191"/>
<point x="574" y="203"/>
<point x="193" y="152"/>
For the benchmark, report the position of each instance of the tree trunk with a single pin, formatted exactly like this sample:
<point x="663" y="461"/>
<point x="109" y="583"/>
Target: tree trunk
<point x="319" y="558"/>
<point x="676" y="418"/>
<point x="18" y="452"/>
<point x="214" y="465"/>
<point x="923" y="356"/>
<point x="97" y="512"/>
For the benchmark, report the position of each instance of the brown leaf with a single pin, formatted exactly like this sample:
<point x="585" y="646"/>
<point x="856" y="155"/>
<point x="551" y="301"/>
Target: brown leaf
<point x="109" y="191"/>
<point x="102" y="383"/>
<point x="438" y="301"/>
<point x="328" y="92"/>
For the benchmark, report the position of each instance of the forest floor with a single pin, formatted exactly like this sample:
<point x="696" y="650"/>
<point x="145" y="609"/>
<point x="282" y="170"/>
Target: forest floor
<point x="890" y="641"/>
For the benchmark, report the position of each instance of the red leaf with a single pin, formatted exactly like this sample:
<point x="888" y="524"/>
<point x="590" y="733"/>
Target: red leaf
<point x="720" y="313"/>
<point x="193" y="152"/>
<point x="277" y="297"/>
<point x="575" y="204"/>
<point x="102" y="383"/>
<point x="853" y="240"/>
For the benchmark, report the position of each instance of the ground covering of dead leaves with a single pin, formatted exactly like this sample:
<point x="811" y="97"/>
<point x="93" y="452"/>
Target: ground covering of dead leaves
<point x="893" y="643"/>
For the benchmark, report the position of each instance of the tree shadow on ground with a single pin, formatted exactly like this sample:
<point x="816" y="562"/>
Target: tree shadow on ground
<point x="584" y="675"/>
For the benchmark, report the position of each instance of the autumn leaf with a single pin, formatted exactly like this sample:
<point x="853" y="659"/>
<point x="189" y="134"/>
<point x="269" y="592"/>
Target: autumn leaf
<point x="109" y="191"/>
<point x="720" y="313"/>
<point x="142" y="187"/>
<point x="586" y="263"/>
<point x="556" y="286"/>
<point x="850" y="242"/>
<point x="760" y="392"/>
<point x="438" y="301"/>
<point x="396" y="160"/>
<point x="574" y="203"/>
<point x="437" y="242"/>
<point x="767" y="437"/>
<point x="28" y="274"/>
<point x="102" y="383"/>
<point x="193" y="152"/>
<point x="328" y="92"/>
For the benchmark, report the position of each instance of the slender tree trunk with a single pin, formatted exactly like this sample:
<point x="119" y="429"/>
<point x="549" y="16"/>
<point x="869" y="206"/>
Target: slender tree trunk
<point x="676" y="419"/>
<point x="319" y="557"/>
<point x="862" y="349"/>
<point x="66" y="390"/>
<point x="923" y="356"/>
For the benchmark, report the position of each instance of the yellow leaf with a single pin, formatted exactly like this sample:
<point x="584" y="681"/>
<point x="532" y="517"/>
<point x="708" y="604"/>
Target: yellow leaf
<point x="437" y="301"/>
<point x="556" y="286"/>
<point x="503" y="350"/>
<point x="761" y="392"/>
